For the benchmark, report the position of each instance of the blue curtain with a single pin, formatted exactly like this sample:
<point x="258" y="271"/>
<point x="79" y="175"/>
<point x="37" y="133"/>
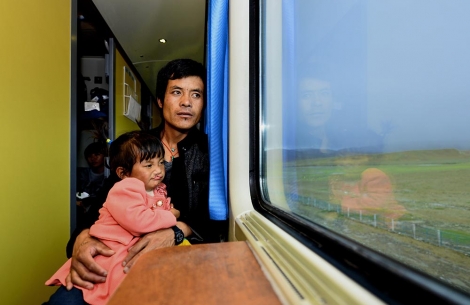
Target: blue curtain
<point x="217" y="106"/>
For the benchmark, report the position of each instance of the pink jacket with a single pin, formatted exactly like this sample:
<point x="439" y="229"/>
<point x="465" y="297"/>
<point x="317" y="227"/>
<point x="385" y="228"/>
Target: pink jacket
<point x="127" y="213"/>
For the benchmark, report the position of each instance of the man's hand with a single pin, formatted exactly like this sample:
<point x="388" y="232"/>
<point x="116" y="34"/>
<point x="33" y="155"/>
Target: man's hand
<point x="151" y="241"/>
<point x="84" y="271"/>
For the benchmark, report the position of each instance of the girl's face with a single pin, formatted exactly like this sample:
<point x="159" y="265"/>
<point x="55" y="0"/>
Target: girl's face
<point x="151" y="172"/>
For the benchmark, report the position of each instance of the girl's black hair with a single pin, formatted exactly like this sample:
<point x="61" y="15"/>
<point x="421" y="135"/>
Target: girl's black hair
<point x="131" y="147"/>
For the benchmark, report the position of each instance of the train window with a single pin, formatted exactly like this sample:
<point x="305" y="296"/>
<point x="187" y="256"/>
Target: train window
<point x="364" y="125"/>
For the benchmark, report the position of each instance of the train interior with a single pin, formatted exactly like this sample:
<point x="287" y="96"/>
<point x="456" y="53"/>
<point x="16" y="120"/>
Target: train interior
<point x="84" y="71"/>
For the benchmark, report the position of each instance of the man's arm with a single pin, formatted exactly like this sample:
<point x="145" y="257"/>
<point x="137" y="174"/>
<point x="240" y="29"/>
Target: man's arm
<point x="88" y="220"/>
<point x="92" y="214"/>
<point x="152" y="241"/>
<point x="185" y="228"/>
<point x="82" y="248"/>
<point x="84" y="271"/>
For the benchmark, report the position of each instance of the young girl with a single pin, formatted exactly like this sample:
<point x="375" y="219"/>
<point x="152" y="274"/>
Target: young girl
<point x="136" y="205"/>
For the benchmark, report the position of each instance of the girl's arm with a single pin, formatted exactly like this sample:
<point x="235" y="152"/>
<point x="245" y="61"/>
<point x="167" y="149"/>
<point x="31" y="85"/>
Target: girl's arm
<point x="127" y="204"/>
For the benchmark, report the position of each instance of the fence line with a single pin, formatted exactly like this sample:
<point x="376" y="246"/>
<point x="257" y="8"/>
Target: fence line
<point x="414" y="229"/>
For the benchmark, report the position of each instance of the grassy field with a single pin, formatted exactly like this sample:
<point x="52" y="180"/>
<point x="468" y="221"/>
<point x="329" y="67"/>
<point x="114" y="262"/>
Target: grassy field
<point x="433" y="187"/>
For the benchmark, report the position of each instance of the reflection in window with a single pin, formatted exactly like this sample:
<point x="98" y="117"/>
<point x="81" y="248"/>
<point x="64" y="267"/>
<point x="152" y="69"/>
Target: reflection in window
<point x="365" y="108"/>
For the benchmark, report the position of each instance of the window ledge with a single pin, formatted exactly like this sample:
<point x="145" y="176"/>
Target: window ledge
<point x="298" y="275"/>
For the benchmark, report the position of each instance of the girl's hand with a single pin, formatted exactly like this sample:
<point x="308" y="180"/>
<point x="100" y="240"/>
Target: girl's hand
<point x="175" y="212"/>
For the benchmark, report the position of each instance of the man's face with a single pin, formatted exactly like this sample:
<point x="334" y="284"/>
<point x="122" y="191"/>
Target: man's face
<point x="184" y="100"/>
<point x="315" y="101"/>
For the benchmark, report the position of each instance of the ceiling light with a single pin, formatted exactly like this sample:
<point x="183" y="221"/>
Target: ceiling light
<point x="163" y="40"/>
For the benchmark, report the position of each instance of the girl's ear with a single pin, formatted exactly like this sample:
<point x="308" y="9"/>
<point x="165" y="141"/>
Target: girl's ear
<point x="121" y="173"/>
<point x="159" y="102"/>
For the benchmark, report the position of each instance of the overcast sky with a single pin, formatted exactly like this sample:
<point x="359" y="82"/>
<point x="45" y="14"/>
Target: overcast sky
<point x="397" y="63"/>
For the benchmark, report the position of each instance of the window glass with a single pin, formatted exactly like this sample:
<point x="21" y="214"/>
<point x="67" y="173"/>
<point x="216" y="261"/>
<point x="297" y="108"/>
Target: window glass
<point x="365" y="110"/>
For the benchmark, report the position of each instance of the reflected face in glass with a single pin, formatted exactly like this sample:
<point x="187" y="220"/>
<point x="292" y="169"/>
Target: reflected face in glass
<point x="315" y="101"/>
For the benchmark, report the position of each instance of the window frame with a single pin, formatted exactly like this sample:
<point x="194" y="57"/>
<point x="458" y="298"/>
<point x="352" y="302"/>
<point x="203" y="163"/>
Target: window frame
<point x="367" y="267"/>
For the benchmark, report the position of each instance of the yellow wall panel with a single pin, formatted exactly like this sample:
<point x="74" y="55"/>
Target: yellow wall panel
<point x="34" y="149"/>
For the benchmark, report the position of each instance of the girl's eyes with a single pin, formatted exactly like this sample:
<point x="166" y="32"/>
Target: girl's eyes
<point x="160" y="162"/>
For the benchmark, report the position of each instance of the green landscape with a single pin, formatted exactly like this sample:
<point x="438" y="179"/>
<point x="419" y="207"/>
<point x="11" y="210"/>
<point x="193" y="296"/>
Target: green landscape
<point x="430" y="188"/>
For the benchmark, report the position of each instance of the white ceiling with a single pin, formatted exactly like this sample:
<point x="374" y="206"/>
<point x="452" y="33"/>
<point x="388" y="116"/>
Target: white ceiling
<point x="139" y="25"/>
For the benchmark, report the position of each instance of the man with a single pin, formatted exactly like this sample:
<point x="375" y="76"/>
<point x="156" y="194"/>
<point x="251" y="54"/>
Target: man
<point x="316" y="107"/>
<point x="322" y="126"/>
<point x="180" y="95"/>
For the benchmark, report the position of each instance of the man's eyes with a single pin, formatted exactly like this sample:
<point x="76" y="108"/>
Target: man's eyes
<point x="315" y="93"/>
<point x="193" y="95"/>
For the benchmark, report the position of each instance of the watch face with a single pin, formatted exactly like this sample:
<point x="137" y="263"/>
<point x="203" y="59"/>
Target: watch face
<point x="179" y="236"/>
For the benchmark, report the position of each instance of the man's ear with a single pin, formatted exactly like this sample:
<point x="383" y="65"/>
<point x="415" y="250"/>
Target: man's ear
<point x="121" y="173"/>
<point x="159" y="102"/>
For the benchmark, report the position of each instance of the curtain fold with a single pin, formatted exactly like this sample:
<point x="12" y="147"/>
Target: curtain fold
<point x="217" y="106"/>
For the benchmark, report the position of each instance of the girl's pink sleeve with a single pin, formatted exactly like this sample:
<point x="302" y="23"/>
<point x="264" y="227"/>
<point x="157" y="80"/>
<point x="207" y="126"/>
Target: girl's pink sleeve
<point x="126" y="202"/>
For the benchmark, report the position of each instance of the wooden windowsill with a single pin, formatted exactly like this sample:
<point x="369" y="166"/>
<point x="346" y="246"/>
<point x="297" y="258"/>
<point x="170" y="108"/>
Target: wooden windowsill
<point x="222" y="273"/>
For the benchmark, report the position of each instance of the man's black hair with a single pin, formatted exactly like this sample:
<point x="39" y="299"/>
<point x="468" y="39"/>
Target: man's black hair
<point x="319" y="70"/>
<point x="176" y="69"/>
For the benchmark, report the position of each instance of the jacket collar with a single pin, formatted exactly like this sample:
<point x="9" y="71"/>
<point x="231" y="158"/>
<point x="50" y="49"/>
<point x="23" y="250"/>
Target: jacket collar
<point x="194" y="136"/>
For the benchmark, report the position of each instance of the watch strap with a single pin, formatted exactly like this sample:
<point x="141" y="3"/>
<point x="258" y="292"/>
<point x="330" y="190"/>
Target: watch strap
<point x="179" y="235"/>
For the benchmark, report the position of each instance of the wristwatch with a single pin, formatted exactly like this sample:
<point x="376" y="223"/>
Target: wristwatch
<point x="179" y="235"/>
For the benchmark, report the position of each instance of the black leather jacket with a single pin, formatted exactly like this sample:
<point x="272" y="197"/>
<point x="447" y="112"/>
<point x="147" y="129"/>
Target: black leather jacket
<point x="189" y="183"/>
